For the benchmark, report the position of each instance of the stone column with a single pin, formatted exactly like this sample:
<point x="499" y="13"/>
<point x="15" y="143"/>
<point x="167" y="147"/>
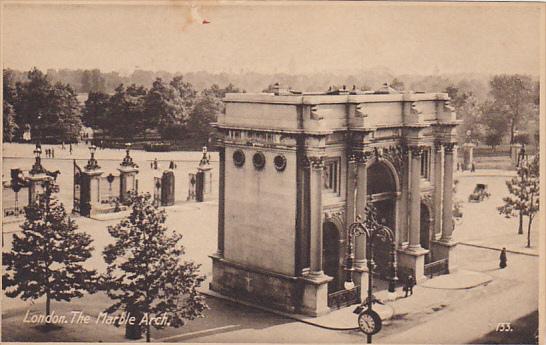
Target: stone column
<point x="415" y="198"/>
<point x="315" y="184"/>
<point x="438" y="179"/>
<point x="127" y="182"/>
<point x="361" y="198"/>
<point x="351" y="189"/>
<point x="221" y="201"/>
<point x="447" y="204"/>
<point x="360" y="274"/>
<point x="315" y="284"/>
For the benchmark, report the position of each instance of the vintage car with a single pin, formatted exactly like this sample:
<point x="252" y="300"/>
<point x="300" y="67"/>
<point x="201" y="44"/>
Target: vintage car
<point x="480" y="193"/>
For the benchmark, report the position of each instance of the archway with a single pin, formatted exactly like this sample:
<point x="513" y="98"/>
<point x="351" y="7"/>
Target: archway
<point x="425" y="230"/>
<point x="382" y="188"/>
<point x="330" y="255"/>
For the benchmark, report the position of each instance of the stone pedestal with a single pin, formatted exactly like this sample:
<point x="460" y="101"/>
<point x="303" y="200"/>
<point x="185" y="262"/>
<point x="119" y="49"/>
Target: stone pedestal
<point x="35" y="186"/>
<point x="514" y="153"/>
<point x="468" y="156"/>
<point x="127" y="182"/>
<point x="445" y="250"/>
<point x="414" y="260"/>
<point x="90" y="193"/>
<point x="315" y="295"/>
<point x="167" y="188"/>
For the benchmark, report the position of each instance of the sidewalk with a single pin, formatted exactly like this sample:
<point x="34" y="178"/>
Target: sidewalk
<point x="421" y="301"/>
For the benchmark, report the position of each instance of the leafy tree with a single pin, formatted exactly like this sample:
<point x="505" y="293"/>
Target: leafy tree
<point x="47" y="257"/>
<point x="165" y="108"/>
<point x="145" y="275"/>
<point x="205" y="112"/>
<point x="493" y="139"/>
<point x="495" y="124"/>
<point x="397" y="84"/>
<point x="524" y="195"/>
<point x="50" y="110"/>
<point x="515" y="94"/>
<point x="8" y="101"/>
<point x="96" y="112"/>
<point x="127" y="111"/>
<point x="63" y="113"/>
<point x="467" y="108"/>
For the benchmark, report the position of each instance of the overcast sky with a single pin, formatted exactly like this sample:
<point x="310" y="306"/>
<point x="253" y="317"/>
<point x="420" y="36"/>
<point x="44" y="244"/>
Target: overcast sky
<point x="274" y="37"/>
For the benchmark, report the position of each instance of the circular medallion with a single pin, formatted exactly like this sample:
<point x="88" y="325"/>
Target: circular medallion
<point x="369" y="322"/>
<point x="258" y="160"/>
<point x="238" y="158"/>
<point x="279" y="162"/>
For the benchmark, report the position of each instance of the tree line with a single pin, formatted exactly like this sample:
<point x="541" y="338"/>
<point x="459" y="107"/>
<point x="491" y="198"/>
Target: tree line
<point x="511" y="111"/>
<point x="51" y="111"/>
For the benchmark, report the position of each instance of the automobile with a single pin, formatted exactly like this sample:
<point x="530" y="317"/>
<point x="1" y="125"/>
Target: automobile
<point x="479" y="194"/>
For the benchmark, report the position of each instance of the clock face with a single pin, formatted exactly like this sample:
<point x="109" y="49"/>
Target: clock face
<point x="369" y="322"/>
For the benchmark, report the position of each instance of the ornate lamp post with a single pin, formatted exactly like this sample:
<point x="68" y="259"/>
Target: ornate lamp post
<point x="368" y="320"/>
<point x="37" y="168"/>
<point x="92" y="163"/>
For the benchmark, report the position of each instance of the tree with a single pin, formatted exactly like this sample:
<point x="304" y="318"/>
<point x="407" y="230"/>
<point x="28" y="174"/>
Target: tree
<point x="493" y="139"/>
<point x="495" y="124"/>
<point x="127" y="111"/>
<point x="165" y="108"/>
<point x="397" y="84"/>
<point x="9" y="98"/>
<point x="51" y="111"/>
<point x="467" y="108"/>
<point x="96" y="112"/>
<point x="205" y="112"/>
<point x="63" y="114"/>
<point x="47" y="257"/>
<point x="145" y="275"/>
<point x="515" y="94"/>
<point x="524" y="195"/>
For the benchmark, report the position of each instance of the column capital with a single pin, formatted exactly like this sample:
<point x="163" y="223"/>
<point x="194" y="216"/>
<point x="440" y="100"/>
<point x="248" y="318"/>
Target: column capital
<point x="362" y="157"/>
<point x="416" y="150"/>
<point x="448" y="147"/>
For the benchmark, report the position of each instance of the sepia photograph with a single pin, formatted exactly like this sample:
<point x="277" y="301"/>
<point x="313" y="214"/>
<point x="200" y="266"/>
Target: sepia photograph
<point x="301" y="172"/>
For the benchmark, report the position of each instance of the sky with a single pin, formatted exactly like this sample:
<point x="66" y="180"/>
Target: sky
<point x="273" y="37"/>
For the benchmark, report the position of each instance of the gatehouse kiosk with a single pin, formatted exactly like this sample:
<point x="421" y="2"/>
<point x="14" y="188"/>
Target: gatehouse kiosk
<point x="297" y="168"/>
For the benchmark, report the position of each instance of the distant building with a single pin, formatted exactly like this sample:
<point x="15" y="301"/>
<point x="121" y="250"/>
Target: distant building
<point x="297" y="168"/>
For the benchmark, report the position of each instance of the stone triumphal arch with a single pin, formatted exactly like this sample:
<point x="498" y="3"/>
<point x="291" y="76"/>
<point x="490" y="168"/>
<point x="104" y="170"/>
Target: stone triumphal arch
<point x="296" y="169"/>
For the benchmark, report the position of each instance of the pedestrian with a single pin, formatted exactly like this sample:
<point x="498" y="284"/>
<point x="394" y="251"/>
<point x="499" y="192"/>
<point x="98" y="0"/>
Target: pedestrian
<point x="409" y="284"/>
<point x="473" y="167"/>
<point x="502" y="258"/>
<point x="70" y="148"/>
<point x="52" y="153"/>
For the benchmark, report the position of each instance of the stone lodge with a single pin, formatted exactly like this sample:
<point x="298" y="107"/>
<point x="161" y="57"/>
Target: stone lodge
<point x="296" y="169"/>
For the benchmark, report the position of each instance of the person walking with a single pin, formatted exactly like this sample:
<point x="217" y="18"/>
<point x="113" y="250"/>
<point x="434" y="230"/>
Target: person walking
<point x="409" y="284"/>
<point x="502" y="258"/>
<point x="71" y="149"/>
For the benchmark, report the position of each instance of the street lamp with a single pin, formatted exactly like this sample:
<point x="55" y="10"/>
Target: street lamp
<point x="92" y="163"/>
<point x="128" y="160"/>
<point x="368" y="320"/>
<point x="37" y="168"/>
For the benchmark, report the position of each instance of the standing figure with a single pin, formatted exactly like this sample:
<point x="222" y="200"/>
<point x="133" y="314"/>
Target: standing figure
<point x="502" y="258"/>
<point x="409" y="284"/>
<point x="70" y="148"/>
